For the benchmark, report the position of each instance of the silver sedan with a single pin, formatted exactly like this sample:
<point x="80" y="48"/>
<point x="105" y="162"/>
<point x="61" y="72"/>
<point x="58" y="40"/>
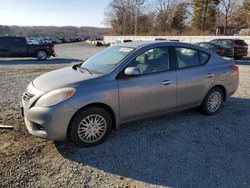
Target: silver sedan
<point x="124" y="83"/>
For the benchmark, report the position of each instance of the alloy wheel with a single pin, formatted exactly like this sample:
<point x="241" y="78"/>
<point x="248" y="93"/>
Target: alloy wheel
<point x="214" y="101"/>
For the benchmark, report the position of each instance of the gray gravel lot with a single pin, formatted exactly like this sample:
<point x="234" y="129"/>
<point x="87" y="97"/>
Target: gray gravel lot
<point x="186" y="149"/>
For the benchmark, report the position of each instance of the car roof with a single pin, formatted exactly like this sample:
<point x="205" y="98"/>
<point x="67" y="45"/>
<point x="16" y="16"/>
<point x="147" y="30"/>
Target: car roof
<point x="228" y="39"/>
<point x="140" y="44"/>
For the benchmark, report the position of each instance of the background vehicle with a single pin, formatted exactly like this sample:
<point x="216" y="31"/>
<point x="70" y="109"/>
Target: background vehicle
<point x="220" y="49"/>
<point x="161" y="39"/>
<point x="240" y="46"/>
<point x="18" y="47"/>
<point x="124" y="83"/>
<point x="120" y="41"/>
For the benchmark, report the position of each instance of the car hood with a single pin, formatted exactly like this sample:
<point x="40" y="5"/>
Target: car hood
<point x="61" y="78"/>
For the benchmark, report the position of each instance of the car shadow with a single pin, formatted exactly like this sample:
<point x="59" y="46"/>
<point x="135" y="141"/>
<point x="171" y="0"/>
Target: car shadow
<point x="33" y="61"/>
<point x="185" y="149"/>
<point x="243" y="61"/>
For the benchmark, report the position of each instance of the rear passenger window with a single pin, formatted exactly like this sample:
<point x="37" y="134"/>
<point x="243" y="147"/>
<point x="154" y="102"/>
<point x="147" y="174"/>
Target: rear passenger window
<point x="204" y="57"/>
<point x="187" y="57"/>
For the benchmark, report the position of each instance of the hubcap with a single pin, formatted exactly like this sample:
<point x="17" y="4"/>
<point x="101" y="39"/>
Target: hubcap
<point x="214" y="101"/>
<point x="92" y="128"/>
<point x="41" y="55"/>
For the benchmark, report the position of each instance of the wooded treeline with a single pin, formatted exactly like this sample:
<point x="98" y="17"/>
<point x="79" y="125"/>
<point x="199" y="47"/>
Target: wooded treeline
<point x="183" y="17"/>
<point x="67" y="31"/>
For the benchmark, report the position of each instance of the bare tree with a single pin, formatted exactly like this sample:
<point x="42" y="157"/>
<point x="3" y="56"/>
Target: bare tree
<point x="162" y="9"/>
<point x="138" y="5"/>
<point x="228" y="8"/>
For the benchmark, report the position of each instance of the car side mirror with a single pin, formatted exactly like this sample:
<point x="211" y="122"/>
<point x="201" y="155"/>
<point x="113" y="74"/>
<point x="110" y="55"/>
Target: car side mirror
<point x="132" y="71"/>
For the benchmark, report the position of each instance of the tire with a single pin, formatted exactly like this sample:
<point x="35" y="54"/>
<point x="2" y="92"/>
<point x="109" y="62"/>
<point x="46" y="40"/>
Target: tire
<point x="41" y="55"/>
<point x="90" y="121"/>
<point x="212" y="102"/>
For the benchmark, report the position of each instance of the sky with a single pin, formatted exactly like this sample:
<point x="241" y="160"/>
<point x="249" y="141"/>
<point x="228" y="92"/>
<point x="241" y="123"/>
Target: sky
<point x="53" y="12"/>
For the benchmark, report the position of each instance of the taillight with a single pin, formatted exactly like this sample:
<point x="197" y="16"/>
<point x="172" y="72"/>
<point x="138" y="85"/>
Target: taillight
<point x="52" y="48"/>
<point x="235" y="68"/>
<point x="236" y="46"/>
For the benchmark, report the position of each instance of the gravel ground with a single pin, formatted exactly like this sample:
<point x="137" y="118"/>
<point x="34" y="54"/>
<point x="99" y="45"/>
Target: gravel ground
<point x="186" y="149"/>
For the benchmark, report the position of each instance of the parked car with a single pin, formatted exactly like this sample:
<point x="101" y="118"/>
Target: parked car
<point x="18" y="47"/>
<point x="120" y="41"/>
<point x="220" y="49"/>
<point x="240" y="46"/>
<point x="161" y="39"/>
<point x="124" y="83"/>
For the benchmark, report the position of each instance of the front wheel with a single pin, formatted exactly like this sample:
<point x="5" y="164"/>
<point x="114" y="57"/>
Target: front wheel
<point x="212" y="101"/>
<point x="41" y="55"/>
<point x="90" y="127"/>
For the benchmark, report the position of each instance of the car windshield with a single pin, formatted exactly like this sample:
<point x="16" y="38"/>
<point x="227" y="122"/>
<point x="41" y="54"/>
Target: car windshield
<point x="107" y="59"/>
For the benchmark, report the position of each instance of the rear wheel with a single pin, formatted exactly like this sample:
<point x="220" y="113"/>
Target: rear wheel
<point x="42" y="55"/>
<point x="90" y="127"/>
<point x="212" y="101"/>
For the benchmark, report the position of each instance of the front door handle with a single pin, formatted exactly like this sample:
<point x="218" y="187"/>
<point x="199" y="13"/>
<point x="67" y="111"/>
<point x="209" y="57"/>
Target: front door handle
<point x="210" y="75"/>
<point x="167" y="82"/>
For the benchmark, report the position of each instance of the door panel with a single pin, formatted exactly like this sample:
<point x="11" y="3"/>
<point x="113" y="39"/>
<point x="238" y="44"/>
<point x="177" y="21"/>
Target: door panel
<point x="19" y="47"/>
<point x="4" y="47"/>
<point x="151" y="92"/>
<point x="193" y="84"/>
<point x="147" y="95"/>
<point x="195" y="76"/>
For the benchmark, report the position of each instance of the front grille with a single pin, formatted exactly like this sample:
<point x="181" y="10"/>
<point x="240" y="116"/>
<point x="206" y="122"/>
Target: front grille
<point x="27" y="96"/>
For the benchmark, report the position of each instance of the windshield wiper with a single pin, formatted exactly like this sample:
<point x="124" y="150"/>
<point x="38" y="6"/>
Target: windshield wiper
<point x="77" y="66"/>
<point x="86" y="69"/>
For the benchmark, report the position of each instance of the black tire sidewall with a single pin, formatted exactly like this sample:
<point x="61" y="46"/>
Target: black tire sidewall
<point x="205" y="102"/>
<point x="79" y="117"/>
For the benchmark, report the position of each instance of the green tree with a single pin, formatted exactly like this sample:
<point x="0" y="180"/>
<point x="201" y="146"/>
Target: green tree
<point x="204" y="17"/>
<point x="179" y="18"/>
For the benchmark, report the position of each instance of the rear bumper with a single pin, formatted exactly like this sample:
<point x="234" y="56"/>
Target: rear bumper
<point x="240" y="53"/>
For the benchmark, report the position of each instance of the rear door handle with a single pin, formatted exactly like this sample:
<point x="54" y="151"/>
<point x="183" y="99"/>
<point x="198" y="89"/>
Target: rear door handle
<point x="210" y="75"/>
<point x="167" y="82"/>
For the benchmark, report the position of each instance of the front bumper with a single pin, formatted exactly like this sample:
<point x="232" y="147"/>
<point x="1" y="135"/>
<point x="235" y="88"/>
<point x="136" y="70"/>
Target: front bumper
<point x="47" y="122"/>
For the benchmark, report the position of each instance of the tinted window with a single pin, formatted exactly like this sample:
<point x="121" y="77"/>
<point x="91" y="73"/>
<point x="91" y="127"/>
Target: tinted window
<point x="206" y="45"/>
<point x="152" y="61"/>
<point x="204" y="57"/>
<point x="187" y="57"/>
<point x="214" y="41"/>
<point x="227" y="42"/>
<point x="241" y="42"/>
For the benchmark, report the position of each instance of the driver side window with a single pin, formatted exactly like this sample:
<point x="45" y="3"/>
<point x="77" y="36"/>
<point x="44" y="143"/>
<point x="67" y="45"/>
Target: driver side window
<point x="152" y="61"/>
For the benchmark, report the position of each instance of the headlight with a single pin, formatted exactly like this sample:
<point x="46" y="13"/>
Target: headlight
<point x="54" y="97"/>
